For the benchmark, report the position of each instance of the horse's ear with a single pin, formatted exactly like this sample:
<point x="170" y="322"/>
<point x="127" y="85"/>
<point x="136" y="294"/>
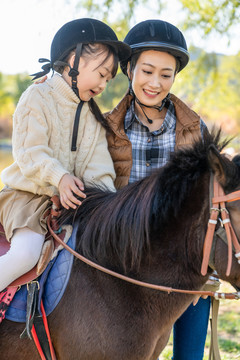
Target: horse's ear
<point x="218" y="165"/>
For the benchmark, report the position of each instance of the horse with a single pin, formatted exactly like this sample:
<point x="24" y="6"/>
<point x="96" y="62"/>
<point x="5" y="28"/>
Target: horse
<point x="152" y="230"/>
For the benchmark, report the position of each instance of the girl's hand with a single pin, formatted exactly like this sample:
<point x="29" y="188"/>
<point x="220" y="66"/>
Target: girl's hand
<point x="69" y="186"/>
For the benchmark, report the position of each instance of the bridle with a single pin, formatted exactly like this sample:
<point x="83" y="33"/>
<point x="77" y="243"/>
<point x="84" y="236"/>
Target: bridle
<point x="218" y="202"/>
<point x="217" y="210"/>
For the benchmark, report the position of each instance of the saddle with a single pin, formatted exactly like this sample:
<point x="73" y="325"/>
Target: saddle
<point x="36" y="299"/>
<point x="49" y="251"/>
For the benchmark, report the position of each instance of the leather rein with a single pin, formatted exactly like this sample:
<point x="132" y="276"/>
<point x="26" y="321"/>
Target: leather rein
<point x="218" y="202"/>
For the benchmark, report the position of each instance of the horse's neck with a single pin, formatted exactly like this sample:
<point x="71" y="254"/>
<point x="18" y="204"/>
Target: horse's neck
<point x="176" y="246"/>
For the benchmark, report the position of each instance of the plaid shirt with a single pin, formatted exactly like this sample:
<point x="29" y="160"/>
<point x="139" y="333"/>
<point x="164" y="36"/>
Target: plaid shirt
<point x="150" y="150"/>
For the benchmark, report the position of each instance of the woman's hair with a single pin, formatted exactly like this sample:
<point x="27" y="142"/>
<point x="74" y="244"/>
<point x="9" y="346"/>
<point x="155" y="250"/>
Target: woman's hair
<point x="136" y="55"/>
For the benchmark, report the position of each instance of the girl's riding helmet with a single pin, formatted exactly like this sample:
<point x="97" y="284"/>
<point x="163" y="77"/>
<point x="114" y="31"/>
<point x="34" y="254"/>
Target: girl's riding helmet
<point x="85" y="31"/>
<point x="82" y="31"/>
<point x="158" y="35"/>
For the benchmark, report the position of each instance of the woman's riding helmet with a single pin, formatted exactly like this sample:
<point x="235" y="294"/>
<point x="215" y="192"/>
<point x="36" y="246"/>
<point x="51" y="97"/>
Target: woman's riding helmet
<point x="159" y="35"/>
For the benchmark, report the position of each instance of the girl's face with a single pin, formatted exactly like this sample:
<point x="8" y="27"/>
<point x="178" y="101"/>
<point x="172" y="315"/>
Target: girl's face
<point x="153" y="77"/>
<point x="93" y="75"/>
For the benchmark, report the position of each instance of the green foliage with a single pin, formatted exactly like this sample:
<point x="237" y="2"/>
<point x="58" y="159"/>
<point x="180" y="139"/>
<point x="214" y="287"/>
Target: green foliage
<point x="208" y="15"/>
<point x="211" y="15"/>
<point x="6" y="104"/>
<point x="113" y="93"/>
<point x="22" y="83"/>
<point x="106" y="8"/>
<point x="11" y="88"/>
<point x="210" y="84"/>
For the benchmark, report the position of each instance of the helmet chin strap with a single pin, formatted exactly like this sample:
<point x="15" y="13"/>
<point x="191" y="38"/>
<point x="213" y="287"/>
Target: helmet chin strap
<point x="73" y="73"/>
<point x="159" y="108"/>
<point x="74" y="70"/>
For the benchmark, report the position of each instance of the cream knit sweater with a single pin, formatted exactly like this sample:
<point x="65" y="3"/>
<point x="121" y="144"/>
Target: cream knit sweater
<point x="42" y="135"/>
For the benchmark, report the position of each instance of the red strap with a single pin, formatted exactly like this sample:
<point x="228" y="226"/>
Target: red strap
<point x="35" y="337"/>
<point x="6" y="297"/>
<point x="47" y="331"/>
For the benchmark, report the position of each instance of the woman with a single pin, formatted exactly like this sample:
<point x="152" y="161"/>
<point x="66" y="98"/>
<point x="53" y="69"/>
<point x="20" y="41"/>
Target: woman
<point x="146" y="126"/>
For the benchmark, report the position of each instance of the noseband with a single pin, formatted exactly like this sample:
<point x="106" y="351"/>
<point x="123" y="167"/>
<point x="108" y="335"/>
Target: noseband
<point x="218" y="210"/>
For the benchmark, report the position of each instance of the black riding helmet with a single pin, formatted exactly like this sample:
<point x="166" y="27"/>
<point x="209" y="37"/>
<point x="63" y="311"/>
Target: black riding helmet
<point x="158" y="35"/>
<point x="75" y="33"/>
<point x="155" y="35"/>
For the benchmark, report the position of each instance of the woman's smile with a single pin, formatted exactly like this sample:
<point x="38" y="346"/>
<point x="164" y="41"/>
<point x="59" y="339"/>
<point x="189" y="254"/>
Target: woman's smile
<point x="150" y="93"/>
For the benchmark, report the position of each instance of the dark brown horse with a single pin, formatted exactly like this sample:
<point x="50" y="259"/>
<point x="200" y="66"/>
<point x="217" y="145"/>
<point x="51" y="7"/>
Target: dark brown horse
<point x="152" y="230"/>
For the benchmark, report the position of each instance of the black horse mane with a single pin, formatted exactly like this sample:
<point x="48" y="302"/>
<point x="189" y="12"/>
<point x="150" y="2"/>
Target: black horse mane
<point x="114" y="228"/>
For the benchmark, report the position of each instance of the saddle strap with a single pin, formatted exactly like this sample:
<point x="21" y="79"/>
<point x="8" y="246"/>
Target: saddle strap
<point x="36" y="324"/>
<point x="214" y="349"/>
<point x="32" y="297"/>
<point x="41" y="336"/>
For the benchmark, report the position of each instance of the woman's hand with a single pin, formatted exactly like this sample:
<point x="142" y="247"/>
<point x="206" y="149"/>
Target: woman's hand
<point x="42" y="80"/>
<point x="68" y="187"/>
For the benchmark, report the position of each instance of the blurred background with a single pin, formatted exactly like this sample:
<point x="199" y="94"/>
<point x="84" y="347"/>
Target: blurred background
<point x="210" y="83"/>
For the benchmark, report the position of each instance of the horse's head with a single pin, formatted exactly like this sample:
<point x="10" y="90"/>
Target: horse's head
<point x="227" y="173"/>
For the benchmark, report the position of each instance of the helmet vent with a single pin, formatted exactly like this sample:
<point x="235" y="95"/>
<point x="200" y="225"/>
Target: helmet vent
<point x="168" y="31"/>
<point x="152" y="30"/>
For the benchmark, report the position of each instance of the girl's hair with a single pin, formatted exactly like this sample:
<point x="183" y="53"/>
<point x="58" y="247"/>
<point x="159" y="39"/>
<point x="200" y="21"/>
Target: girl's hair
<point x="136" y="55"/>
<point x="94" y="50"/>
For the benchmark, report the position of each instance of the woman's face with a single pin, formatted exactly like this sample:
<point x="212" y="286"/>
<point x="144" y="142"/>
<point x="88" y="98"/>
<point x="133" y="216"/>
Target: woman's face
<point x="153" y="76"/>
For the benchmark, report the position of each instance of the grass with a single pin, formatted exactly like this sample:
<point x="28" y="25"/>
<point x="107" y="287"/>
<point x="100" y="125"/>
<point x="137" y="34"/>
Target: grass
<point x="228" y="330"/>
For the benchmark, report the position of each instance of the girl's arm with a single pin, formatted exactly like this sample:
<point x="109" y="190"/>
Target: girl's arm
<point x="100" y="169"/>
<point x="31" y="136"/>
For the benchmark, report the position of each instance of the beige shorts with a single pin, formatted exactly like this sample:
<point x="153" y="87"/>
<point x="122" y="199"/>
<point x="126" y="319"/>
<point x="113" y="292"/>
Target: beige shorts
<point x="20" y="209"/>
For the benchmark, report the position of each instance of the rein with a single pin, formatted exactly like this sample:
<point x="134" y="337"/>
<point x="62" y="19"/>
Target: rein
<point x="216" y="295"/>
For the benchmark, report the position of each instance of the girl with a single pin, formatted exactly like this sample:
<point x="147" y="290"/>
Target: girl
<point x="51" y="155"/>
<point x="146" y="126"/>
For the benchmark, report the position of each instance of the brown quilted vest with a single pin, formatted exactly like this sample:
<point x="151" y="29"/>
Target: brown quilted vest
<point x="187" y="131"/>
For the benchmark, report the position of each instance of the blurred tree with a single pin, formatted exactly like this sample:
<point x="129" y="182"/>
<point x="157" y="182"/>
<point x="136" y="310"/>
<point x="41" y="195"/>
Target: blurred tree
<point x="211" y="84"/>
<point x="6" y="102"/>
<point x="22" y="81"/>
<point x="124" y="9"/>
<point x="208" y="15"/>
<point x="113" y="93"/>
<point x="211" y="15"/>
<point x="11" y="88"/>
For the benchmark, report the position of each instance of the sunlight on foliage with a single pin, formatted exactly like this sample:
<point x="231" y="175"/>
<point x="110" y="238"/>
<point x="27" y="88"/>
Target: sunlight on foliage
<point x="211" y="15"/>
